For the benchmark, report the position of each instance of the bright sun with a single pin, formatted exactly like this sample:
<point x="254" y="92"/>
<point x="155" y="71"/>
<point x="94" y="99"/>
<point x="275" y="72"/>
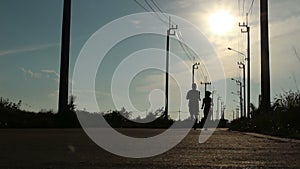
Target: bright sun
<point x="221" y="22"/>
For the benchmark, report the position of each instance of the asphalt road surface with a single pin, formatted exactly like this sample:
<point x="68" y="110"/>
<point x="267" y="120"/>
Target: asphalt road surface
<point x="72" y="149"/>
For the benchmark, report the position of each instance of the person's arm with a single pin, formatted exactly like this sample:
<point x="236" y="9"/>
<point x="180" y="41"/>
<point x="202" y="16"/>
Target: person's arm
<point x="202" y="103"/>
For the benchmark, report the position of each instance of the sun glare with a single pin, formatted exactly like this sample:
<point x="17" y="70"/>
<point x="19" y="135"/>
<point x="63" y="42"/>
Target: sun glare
<point x="221" y="22"/>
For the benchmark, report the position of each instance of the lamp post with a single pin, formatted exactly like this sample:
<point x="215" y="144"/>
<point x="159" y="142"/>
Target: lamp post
<point x="195" y="66"/>
<point x="242" y="66"/>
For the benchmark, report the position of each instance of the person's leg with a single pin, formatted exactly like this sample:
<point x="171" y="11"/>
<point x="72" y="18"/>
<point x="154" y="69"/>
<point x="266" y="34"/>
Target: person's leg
<point x="195" y="120"/>
<point x="205" y="117"/>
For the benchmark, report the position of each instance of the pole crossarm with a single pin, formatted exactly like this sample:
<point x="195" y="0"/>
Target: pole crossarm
<point x="205" y="85"/>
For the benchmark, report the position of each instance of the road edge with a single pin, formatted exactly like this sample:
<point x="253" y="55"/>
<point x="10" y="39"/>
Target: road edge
<point x="258" y="135"/>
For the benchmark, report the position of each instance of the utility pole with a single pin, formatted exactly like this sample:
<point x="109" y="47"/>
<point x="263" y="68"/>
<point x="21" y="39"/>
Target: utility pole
<point x="241" y="98"/>
<point x="179" y="115"/>
<point x="212" y="103"/>
<point x="237" y="113"/>
<point x="205" y="84"/>
<point x="248" y="63"/>
<point x="64" y="64"/>
<point x="169" y="32"/>
<point x="222" y="110"/>
<point x="265" y="65"/>
<point x="195" y="66"/>
<point x="217" y="112"/>
<point x="242" y="66"/>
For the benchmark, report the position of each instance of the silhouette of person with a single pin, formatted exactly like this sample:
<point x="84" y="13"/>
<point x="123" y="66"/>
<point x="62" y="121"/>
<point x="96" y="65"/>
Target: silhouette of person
<point x="206" y="103"/>
<point x="194" y="97"/>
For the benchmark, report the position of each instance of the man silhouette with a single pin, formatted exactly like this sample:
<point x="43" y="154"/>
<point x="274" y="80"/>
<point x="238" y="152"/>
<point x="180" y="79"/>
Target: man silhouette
<point x="194" y="97"/>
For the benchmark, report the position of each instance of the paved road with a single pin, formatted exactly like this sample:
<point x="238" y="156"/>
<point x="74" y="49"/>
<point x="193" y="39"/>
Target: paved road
<point x="72" y="149"/>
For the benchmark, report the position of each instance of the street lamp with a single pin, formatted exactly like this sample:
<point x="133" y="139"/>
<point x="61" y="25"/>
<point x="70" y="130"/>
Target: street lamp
<point x="248" y="79"/>
<point x="237" y="94"/>
<point x="238" y="52"/>
<point x="195" y="66"/>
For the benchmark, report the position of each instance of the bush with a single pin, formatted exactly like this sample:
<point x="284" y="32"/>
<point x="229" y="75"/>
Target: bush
<point x="282" y="121"/>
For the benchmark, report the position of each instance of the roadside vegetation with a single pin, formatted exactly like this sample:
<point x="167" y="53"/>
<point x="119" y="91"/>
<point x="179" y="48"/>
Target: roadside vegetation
<point x="12" y="116"/>
<point x="283" y="120"/>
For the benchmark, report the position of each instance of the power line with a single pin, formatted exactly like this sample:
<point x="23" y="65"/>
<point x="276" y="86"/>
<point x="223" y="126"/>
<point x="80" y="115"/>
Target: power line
<point x="141" y="6"/>
<point x="178" y="35"/>
<point x="153" y="11"/>
<point x="296" y="53"/>
<point x="155" y="4"/>
<point x="239" y="5"/>
<point x="250" y="9"/>
<point x="180" y="40"/>
<point x="188" y="53"/>
<point x="243" y="8"/>
<point x="251" y="6"/>
<point x="162" y="12"/>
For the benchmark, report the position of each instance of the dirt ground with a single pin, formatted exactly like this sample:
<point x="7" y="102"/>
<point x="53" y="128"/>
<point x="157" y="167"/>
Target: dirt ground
<point x="72" y="149"/>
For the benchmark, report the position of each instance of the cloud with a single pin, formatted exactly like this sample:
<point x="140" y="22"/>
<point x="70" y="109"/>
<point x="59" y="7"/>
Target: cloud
<point x="30" y="73"/>
<point x="47" y="71"/>
<point x="26" y="49"/>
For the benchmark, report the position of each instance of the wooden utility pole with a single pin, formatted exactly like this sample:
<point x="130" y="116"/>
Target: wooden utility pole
<point x="248" y="65"/>
<point x="64" y="64"/>
<point x="265" y="65"/>
<point x="179" y="115"/>
<point x="212" y="103"/>
<point x="217" y="112"/>
<point x="242" y="66"/>
<point x="223" y="110"/>
<point x="238" y="82"/>
<point x="169" y="32"/>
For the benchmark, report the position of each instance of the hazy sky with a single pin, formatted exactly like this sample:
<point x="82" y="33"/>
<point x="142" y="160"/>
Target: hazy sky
<point x="30" y="36"/>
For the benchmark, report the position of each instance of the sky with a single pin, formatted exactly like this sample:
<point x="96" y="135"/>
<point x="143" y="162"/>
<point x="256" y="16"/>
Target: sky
<point x="30" y="37"/>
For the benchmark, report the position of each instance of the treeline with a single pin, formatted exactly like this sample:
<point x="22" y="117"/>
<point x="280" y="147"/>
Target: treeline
<point x="283" y="119"/>
<point x="11" y="116"/>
